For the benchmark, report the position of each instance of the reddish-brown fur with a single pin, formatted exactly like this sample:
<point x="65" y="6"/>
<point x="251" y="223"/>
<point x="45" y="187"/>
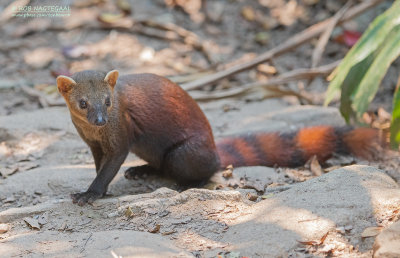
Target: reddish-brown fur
<point x="294" y="149"/>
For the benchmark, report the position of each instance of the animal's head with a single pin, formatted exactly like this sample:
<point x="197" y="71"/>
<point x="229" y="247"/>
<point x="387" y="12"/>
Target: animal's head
<point x="89" y="94"/>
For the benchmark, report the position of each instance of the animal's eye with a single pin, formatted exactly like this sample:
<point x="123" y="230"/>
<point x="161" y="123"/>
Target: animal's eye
<point x="108" y="102"/>
<point x="82" y="104"/>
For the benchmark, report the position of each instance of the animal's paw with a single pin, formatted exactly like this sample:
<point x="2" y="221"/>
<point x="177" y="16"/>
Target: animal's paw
<point x="134" y="173"/>
<point x="86" y="197"/>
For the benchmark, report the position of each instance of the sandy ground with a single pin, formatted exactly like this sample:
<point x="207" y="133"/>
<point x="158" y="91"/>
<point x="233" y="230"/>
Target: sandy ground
<point x="259" y="212"/>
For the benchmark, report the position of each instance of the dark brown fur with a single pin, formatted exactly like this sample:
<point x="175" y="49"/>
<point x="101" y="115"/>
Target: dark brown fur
<point x="158" y="121"/>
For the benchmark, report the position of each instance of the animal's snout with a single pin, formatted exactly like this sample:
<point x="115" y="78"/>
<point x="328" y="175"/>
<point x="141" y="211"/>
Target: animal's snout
<point x="100" y="121"/>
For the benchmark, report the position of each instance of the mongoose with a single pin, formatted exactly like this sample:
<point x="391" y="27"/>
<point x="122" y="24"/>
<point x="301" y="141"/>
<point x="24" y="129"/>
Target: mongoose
<point x="159" y="122"/>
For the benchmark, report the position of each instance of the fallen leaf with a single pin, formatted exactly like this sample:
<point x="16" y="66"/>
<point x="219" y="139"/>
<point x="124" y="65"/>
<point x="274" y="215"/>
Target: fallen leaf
<point x="322" y="240"/>
<point x="310" y="2"/>
<point x="63" y="226"/>
<point x="267" y="69"/>
<point x="228" y="172"/>
<point x="56" y="73"/>
<point x="312" y="242"/>
<point x="252" y="197"/>
<point x="32" y="223"/>
<point x="262" y="38"/>
<point x="8" y="171"/>
<point x="84" y="221"/>
<point x="129" y="213"/>
<point x="371" y="232"/>
<point x="40" y="57"/>
<point x="348" y="227"/>
<point x="110" y="18"/>
<point x="75" y="52"/>
<point x="124" y="6"/>
<point x="315" y="242"/>
<point x="9" y="199"/>
<point x="4" y="228"/>
<point x="348" y="38"/>
<point x="248" y="13"/>
<point x="267" y="196"/>
<point x="9" y="11"/>
<point x="24" y="166"/>
<point x="332" y="168"/>
<point x="155" y="229"/>
<point x="168" y="233"/>
<point x="315" y="167"/>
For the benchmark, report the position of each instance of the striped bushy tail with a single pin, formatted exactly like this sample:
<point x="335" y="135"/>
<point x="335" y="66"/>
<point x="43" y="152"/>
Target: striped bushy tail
<point x="294" y="149"/>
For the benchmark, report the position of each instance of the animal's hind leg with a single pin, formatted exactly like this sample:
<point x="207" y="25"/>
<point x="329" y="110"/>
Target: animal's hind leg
<point x="191" y="163"/>
<point x="140" y="171"/>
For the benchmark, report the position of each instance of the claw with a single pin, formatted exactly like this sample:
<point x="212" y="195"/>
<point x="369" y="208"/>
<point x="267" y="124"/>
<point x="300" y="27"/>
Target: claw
<point x="135" y="173"/>
<point x="85" y="197"/>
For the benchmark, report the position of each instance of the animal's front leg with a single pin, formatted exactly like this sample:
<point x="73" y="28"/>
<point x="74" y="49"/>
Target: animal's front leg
<point x="98" y="155"/>
<point x="98" y="188"/>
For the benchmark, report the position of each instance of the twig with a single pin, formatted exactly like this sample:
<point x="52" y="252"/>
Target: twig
<point x="33" y="93"/>
<point x="43" y="99"/>
<point x="188" y="37"/>
<point x="172" y="32"/>
<point x="9" y="10"/>
<point x="291" y="43"/>
<point x="179" y="79"/>
<point x="271" y="84"/>
<point x="323" y="40"/>
<point x="272" y="91"/>
<point x="87" y="240"/>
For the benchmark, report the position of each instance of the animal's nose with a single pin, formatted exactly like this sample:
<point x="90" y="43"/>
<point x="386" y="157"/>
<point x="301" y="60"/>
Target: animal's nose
<point x="100" y="121"/>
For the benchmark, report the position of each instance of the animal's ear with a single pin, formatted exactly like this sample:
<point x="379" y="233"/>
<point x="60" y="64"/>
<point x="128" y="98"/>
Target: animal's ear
<point x="111" y="78"/>
<point x="65" y="84"/>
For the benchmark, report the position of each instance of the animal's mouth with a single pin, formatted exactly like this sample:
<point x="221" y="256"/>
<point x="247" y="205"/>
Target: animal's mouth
<point x="99" y="121"/>
<point x="100" y="124"/>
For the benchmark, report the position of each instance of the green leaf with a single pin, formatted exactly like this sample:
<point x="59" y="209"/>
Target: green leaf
<point x="371" y="40"/>
<point x="370" y="82"/>
<point x="350" y="85"/>
<point x="395" y="124"/>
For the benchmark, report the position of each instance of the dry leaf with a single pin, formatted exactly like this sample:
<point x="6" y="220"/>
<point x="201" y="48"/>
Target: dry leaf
<point x="315" y="167"/>
<point x="168" y="233"/>
<point x="332" y="168"/>
<point x="248" y="13"/>
<point x="110" y="18"/>
<point x="8" y="171"/>
<point x="124" y="6"/>
<point x="371" y="231"/>
<point x="267" y="69"/>
<point x="267" y="196"/>
<point x="4" y="228"/>
<point x="322" y="240"/>
<point x="156" y="229"/>
<point x="252" y="197"/>
<point x="9" y="11"/>
<point x="312" y="242"/>
<point x="348" y="38"/>
<point x="262" y="38"/>
<point x="63" y="226"/>
<point x="228" y="172"/>
<point x="129" y="213"/>
<point x="310" y="2"/>
<point x="32" y="223"/>
<point x="23" y="166"/>
<point x="315" y="242"/>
